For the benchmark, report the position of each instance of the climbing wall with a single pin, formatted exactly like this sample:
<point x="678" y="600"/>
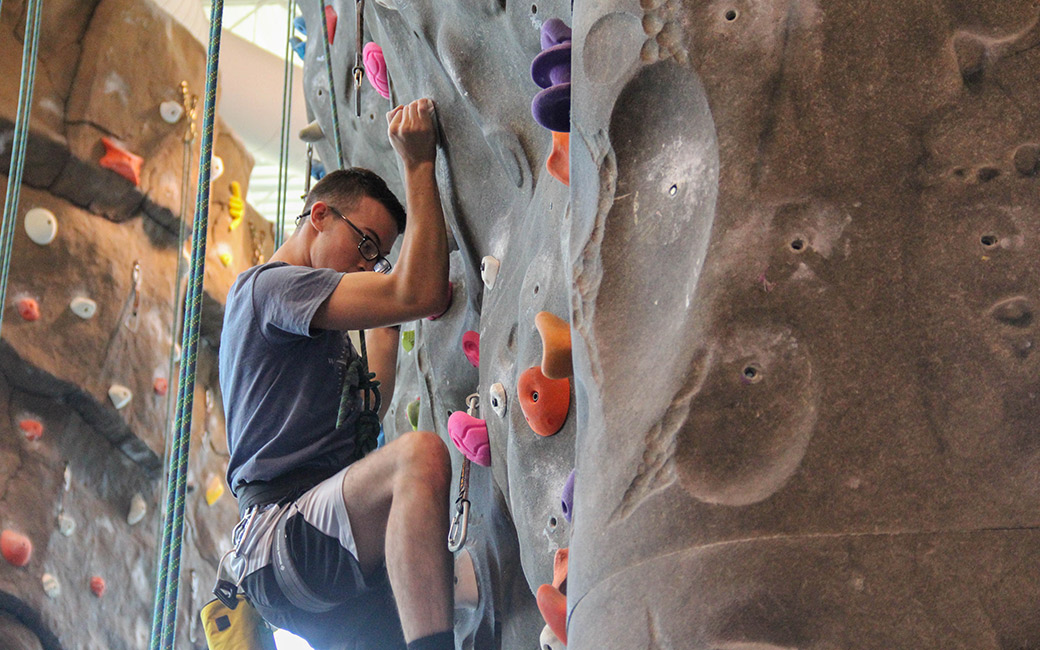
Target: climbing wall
<point x="86" y="378"/>
<point x="798" y="261"/>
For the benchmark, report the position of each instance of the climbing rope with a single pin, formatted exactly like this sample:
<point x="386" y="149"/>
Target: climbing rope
<point x="164" y="620"/>
<point x="283" y="151"/>
<point x="21" y="136"/>
<point x="359" y="69"/>
<point x="332" y="87"/>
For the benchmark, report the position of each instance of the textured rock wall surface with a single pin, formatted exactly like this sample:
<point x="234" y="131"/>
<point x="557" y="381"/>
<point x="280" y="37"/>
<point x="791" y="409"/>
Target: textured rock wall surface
<point x="798" y="256"/>
<point x="105" y="67"/>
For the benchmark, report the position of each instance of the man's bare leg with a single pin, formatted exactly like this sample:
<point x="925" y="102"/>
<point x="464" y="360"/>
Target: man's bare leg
<point x="397" y="499"/>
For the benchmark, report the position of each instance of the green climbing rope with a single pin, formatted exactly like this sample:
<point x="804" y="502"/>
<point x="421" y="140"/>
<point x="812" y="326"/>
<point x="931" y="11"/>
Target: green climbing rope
<point x="164" y="620"/>
<point x="332" y="87"/>
<point x="283" y="151"/>
<point x="30" y="50"/>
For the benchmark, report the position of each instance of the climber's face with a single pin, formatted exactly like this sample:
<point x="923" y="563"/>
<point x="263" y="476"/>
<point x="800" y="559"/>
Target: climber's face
<point x="355" y="240"/>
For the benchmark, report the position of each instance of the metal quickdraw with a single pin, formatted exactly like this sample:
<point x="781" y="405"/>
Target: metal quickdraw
<point x="359" y="68"/>
<point x="460" y="522"/>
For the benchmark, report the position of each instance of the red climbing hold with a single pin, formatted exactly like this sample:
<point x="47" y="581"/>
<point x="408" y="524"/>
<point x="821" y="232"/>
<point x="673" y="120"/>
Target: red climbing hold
<point x="29" y="309"/>
<point x="375" y="68"/>
<point x="15" y="547"/>
<point x="160" y="385"/>
<point x="471" y="347"/>
<point x="119" y="159"/>
<point x="545" y="402"/>
<point x="330" y="22"/>
<point x="33" y="429"/>
<point x="553" y="606"/>
<point x="558" y="164"/>
<point x="470" y="436"/>
<point x="97" y="586"/>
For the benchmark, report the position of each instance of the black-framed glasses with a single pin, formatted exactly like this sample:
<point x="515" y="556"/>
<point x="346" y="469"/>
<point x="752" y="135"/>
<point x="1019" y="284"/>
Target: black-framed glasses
<point x="368" y="248"/>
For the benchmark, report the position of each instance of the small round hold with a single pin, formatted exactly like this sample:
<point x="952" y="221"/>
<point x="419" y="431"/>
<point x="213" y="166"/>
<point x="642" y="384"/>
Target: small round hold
<point x="138" y="509"/>
<point x="549" y="641"/>
<point x="216" y="168"/>
<point x="120" y="395"/>
<point x="160" y="386"/>
<point x="97" y="586"/>
<point x="66" y="525"/>
<point x="29" y="309"/>
<point x="41" y="225"/>
<point x="83" y="307"/>
<point x="497" y="394"/>
<point x="51" y="586"/>
<point x="171" y="111"/>
<point x="15" y="547"/>
<point x="31" y="429"/>
<point x="489" y="271"/>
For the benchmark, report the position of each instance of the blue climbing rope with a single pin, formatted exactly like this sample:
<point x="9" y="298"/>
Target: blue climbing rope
<point x="30" y="50"/>
<point x="283" y="151"/>
<point x="164" y="619"/>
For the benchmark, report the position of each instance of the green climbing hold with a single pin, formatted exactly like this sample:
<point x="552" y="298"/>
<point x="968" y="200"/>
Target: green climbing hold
<point x="408" y="340"/>
<point x="413" y="414"/>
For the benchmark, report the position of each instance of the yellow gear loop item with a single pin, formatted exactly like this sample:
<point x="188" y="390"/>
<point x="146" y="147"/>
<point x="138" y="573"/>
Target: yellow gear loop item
<point x="238" y="628"/>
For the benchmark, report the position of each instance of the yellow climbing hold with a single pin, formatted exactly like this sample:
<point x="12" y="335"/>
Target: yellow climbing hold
<point x="236" y="207"/>
<point x="225" y="259"/>
<point x="214" y="489"/>
<point x="408" y="340"/>
<point x="412" y="410"/>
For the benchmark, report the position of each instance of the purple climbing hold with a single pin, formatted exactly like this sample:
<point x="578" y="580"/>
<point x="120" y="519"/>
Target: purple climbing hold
<point x="551" y="70"/>
<point x="567" y="500"/>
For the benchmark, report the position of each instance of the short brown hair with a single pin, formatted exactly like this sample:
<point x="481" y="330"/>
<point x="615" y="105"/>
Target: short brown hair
<point x="347" y="186"/>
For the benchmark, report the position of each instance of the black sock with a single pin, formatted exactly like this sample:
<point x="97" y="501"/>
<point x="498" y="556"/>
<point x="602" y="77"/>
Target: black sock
<point x="440" y="641"/>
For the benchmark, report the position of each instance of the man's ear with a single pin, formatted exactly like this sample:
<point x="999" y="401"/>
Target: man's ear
<point x="317" y="215"/>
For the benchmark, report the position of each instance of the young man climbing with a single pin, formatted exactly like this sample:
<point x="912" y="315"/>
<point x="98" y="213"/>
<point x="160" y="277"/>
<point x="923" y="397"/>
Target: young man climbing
<point x="319" y="525"/>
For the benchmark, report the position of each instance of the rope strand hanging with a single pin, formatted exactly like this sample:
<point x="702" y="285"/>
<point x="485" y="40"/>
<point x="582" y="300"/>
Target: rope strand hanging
<point x="30" y="50"/>
<point x="283" y="151"/>
<point x="164" y="620"/>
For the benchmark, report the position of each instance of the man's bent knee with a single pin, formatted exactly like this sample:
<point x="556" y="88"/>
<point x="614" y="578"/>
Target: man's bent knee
<point x="424" y="455"/>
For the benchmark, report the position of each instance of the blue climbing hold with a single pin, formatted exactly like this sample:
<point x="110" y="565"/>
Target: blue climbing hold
<point x="317" y="170"/>
<point x="299" y="46"/>
<point x="301" y="25"/>
<point x="567" y="499"/>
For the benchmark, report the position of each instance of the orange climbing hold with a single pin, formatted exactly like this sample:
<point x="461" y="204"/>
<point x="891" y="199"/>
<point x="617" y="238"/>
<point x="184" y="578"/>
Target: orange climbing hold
<point x="33" y="429"/>
<point x="558" y="164"/>
<point x="560" y="569"/>
<point x="119" y="159"/>
<point x="556" y="345"/>
<point x="553" y="606"/>
<point x="160" y="385"/>
<point x="15" y="547"/>
<point x="29" y="309"/>
<point x="544" y="401"/>
<point x="97" y="586"/>
<point x="330" y="22"/>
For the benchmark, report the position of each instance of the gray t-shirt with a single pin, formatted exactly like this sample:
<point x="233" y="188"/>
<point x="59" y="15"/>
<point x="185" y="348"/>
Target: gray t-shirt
<point x="281" y="379"/>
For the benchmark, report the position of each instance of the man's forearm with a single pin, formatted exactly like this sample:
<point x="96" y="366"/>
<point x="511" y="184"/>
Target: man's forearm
<point x="423" y="262"/>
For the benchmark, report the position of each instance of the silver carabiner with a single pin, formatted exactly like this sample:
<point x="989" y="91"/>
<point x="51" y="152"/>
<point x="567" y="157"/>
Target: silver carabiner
<point x="459" y="525"/>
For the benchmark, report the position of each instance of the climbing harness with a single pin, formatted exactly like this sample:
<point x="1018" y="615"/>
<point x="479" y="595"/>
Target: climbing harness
<point x="283" y="151"/>
<point x="164" y="620"/>
<point x="359" y="68"/>
<point x="460" y="522"/>
<point x="18" y="147"/>
<point x="332" y="87"/>
<point x="357" y="378"/>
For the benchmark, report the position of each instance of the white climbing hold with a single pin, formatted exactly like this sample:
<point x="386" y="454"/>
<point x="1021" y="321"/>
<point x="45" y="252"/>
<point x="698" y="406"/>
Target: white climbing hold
<point x="120" y="395"/>
<point x="489" y="271"/>
<point x="549" y="641"/>
<point x="66" y="525"/>
<point x="41" y="225"/>
<point x="171" y="111"/>
<point x="138" y="509"/>
<point x="497" y="393"/>
<point x="216" y="169"/>
<point x="467" y="595"/>
<point x="312" y="132"/>
<point x="51" y="586"/>
<point x="83" y="307"/>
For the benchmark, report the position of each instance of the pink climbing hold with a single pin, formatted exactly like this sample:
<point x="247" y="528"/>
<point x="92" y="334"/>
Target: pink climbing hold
<point x="160" y="386"/>
<point x="330" y="22"/>
<point x="471" y="347"/>
<point x="375" y="68"/>
<point x="120" y="160"/>
<point x="15" y="547"/>
<point x="451" y="294"/>
<point x="97" y="586"/>
<point x="33" y="429"/>
<point x="29" y="309"/>
<point x="470" y="436"/>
